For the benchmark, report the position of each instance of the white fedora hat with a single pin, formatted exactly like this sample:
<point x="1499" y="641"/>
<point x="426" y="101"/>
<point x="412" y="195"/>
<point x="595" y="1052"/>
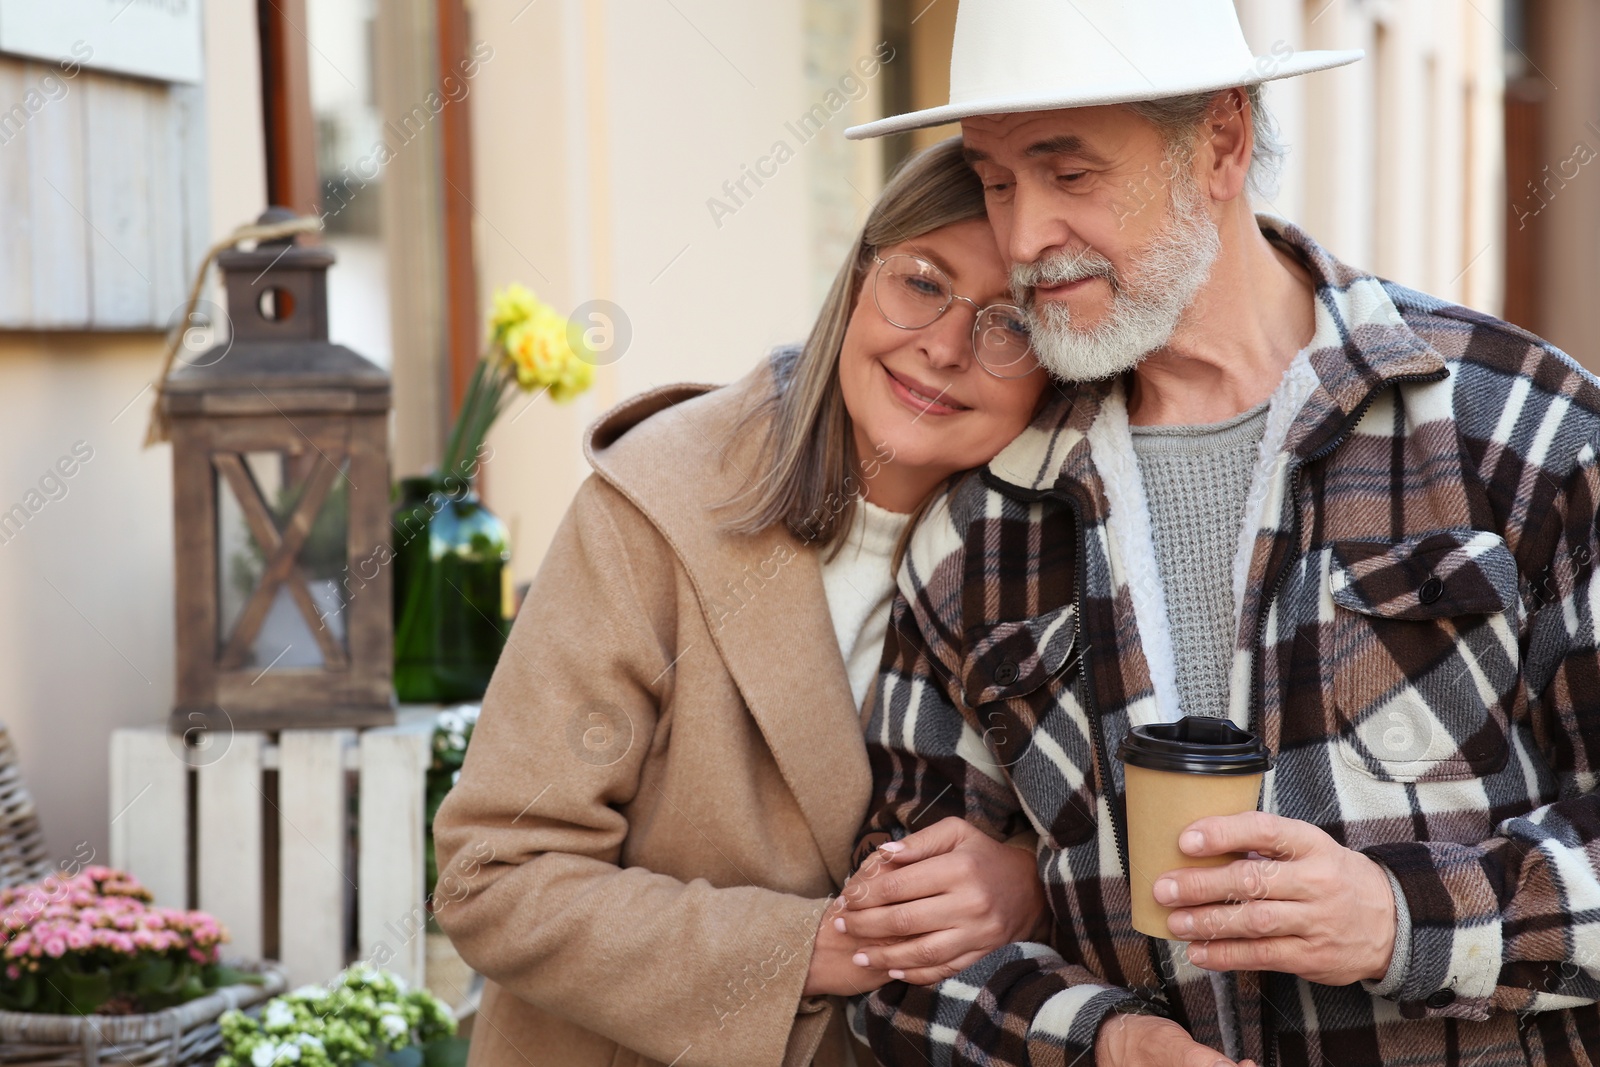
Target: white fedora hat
<point x="1041" y="55"/>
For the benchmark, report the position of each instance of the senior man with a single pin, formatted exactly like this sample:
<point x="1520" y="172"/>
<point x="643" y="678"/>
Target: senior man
<point x="1355" y="519"/>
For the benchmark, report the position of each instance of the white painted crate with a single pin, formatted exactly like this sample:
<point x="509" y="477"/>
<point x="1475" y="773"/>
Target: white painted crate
<point x="152" y="816"/>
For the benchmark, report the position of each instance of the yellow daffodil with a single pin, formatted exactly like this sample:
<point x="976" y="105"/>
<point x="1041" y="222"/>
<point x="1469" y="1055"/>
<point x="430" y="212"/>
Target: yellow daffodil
<point x="512" y="305"/>
<point x="531" y="347"/>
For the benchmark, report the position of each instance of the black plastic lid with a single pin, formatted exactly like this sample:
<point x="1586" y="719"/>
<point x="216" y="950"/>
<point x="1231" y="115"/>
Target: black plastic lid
<point x="1195" y="745"/>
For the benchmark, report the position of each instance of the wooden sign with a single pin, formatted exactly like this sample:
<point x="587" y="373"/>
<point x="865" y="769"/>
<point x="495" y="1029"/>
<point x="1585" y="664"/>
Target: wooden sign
<point x="158" y="39"/>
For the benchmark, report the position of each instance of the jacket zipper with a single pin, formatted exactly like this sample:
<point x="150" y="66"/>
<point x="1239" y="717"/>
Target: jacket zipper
<point x="1269" y="1036"/>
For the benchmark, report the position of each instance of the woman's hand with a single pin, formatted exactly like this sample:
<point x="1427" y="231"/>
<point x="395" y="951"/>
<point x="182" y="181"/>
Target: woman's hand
<point x="832" y="970"/>
<point x="937" y="901"/>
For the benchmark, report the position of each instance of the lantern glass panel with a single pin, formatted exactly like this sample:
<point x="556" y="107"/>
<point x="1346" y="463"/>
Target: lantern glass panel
<point x="278" y="609"/>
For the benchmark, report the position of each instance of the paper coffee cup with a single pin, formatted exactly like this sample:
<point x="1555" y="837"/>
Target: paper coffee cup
<point x="1177" y="773"/>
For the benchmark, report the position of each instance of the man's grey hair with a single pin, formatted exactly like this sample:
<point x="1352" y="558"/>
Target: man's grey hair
<point x="1180" y="119"/>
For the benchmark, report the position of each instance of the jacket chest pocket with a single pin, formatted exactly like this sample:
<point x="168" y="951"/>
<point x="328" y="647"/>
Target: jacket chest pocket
<point x="1015" y="681"/>
<point x="1424" y="654"/>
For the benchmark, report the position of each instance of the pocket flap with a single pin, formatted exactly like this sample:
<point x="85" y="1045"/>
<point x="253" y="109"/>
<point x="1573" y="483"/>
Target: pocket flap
<point x="1431" y="576"/>
<point x="1009" y="659"/>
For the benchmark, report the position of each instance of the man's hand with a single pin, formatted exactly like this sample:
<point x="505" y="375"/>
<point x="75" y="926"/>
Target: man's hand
<point x="1149" y="1041"/>
<point x="941" y="899"/>
<point x="1301" y="904"/>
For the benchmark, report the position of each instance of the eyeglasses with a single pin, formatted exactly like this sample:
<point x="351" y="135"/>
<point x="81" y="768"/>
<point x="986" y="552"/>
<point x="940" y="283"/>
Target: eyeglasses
<point x="912" y="293"/>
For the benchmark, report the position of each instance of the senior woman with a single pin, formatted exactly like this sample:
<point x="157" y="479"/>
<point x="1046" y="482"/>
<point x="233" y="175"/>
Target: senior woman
<point x="668" y="774"/>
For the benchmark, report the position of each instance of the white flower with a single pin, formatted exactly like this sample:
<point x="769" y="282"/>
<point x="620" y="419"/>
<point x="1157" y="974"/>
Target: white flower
<point x="277" y="1015"/>
<point x="309" y="1040"/>
<point x="394" y="1025"/>
<point x="450" y="722"/>
<point x="267" y="1054"/>
<point x="310" y="992"/>
<point x="455" y="776"/>
<point x="470" y="712"/>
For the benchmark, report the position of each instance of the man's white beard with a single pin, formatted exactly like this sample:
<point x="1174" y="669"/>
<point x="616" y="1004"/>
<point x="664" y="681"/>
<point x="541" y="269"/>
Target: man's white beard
<point x="1147" y="302"/>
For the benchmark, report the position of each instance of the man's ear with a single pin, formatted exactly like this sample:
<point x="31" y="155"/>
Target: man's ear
<point x="1229" y="137"/>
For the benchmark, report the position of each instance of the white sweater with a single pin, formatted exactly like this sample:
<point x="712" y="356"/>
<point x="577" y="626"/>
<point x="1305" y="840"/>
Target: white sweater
<point x="859" y="587"/>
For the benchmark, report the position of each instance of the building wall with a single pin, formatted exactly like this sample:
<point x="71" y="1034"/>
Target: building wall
<point x="86" y="585"/>
<point x="1396" y="162"/>
<point x="618" y="160"/>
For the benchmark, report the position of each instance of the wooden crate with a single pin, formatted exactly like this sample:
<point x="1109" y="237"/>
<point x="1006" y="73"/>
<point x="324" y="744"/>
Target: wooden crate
<point x="170" y="818"/>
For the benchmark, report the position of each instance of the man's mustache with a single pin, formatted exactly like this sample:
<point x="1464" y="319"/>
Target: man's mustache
<point x="1058" y="269"/>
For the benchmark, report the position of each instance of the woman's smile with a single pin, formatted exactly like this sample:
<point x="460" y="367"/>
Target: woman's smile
<point x="921" y="398"/>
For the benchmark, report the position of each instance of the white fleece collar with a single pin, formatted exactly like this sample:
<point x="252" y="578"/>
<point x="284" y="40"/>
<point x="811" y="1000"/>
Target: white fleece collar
<point x="1131" y="546"/>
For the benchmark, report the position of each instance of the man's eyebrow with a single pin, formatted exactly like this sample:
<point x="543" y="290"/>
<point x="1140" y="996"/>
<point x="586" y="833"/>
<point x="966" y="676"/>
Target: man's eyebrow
<point x="1068" y="144"/>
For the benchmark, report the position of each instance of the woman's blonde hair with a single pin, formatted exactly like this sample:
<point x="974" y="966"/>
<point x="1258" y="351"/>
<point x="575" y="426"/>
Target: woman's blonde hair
<point x="811" y="477"/>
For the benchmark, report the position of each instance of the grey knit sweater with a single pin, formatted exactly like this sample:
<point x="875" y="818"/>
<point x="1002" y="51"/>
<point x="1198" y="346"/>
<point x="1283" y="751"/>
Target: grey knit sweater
<point x="1196" y="479"/>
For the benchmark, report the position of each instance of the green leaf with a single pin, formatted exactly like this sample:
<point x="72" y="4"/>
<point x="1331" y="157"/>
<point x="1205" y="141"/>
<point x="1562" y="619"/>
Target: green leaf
<point x="20" y="995"/>
<point x="222" y="975"/>
<point x="155" y="976"/>
<point x="86" y="992"/>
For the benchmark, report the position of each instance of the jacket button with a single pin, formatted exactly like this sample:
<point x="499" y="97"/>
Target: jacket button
<point x="1005" y="674"/>
<point x="1444" y="997"/>
<point x="1431" y="590"/>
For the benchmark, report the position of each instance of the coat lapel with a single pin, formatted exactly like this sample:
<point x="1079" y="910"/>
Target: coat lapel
<point x="780" y="647"/>
<point x="762" y="598"/>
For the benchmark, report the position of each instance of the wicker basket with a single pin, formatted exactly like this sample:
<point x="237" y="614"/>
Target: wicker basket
<point x="22" y="853"/>
<point x="177" y="1037"/>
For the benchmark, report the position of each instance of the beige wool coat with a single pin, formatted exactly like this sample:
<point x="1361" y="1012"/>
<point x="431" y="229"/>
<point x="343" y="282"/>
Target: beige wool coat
<point x="667" y="776"/>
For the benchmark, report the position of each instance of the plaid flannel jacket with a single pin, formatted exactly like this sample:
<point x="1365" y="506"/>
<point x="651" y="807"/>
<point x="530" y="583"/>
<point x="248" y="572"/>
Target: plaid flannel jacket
<point x="1417" y="602"/>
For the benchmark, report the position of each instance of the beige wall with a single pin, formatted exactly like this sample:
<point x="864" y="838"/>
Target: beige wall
<point x="597" y="150"/>
<point x="86" y="586"/>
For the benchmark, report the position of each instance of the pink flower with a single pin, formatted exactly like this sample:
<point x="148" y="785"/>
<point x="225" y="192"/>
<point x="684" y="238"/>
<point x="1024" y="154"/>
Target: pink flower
<point x="13" y="972"/>
<point x="55" y="947"/>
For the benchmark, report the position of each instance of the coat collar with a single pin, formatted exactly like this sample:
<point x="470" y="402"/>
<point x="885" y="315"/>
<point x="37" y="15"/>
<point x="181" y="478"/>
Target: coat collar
<point x="1360" y="344"/>
<point x="677" y="455"/>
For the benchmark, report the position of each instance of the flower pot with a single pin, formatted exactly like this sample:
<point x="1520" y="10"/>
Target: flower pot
<point x="180" y="1036"/>
<point x="452" y="608"/>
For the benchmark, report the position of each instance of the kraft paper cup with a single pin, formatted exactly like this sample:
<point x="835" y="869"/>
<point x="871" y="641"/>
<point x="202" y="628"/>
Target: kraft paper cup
<point x="1177" y="773"/>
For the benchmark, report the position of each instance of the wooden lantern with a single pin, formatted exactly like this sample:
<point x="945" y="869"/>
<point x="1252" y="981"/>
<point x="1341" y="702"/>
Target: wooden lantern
<point x="280" y="504"/>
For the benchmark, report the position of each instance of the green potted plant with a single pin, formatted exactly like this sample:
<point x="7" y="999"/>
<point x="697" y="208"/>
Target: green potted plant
<point x="87" y="960"/>
<point x="365" y="1016"/>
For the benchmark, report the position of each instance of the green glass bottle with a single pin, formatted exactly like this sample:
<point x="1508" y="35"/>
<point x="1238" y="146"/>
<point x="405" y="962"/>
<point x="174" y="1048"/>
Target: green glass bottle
<point x="452" y="604"/>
